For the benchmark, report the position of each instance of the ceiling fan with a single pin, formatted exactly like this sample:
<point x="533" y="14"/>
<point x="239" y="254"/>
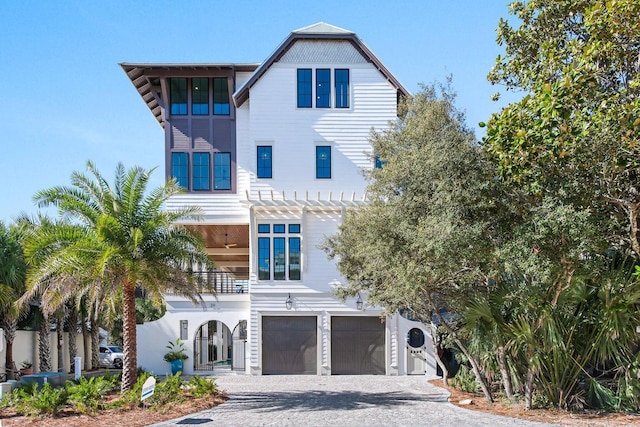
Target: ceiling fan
<point x="228" y="245"/>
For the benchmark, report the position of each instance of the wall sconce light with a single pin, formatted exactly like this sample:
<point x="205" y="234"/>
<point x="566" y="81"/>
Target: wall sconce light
<point x="288" y="302"/>
<point x="359" y="303"/>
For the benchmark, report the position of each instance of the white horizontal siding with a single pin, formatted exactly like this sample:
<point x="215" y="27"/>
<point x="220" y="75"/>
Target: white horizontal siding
<point x="294" y="133"/>
<point x="219" y="207"/>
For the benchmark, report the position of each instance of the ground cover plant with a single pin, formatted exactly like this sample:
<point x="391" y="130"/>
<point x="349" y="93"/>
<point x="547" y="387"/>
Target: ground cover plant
<point x="100" y="396"/>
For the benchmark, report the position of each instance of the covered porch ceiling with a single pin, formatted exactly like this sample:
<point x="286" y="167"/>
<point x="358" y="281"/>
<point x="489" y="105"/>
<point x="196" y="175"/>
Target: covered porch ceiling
<point x="227" y="246"/>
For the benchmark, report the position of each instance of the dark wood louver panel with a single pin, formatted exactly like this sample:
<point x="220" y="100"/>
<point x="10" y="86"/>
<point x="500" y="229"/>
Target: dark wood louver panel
<point x="180" y="134"/>
<point x="357" y="346"/>
<point x="201" y="130"/>
<point x="289" y="345"/>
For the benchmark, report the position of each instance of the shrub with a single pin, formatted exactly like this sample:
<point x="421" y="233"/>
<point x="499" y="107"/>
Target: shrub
<point x="465" y="380"/>
<point x="201" y="386"/>
<point x="86" y="394"/>
<point x="47" y="400"/>
<point x="169" y="390"/>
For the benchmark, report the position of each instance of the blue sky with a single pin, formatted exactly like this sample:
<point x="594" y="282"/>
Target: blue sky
<point x="65" y="100"/>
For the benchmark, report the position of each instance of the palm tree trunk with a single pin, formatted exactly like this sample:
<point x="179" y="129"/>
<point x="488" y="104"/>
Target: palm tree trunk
<point x="60" y="332"/>
<point x="72" y="327"/>
<point x="95" y="343"/>
<point x="504" y="372"/>
<point x="528" y="389"/>
<point x="130" y="368"/>
<point x="44" y="345"/>
<point x="10" y="326"/>
<point x="86" y="340"/>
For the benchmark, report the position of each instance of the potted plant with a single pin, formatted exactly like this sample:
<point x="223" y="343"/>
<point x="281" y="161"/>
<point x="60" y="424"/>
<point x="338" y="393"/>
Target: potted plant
<point x="26" y="368"/>
<point x="176" y="355"/>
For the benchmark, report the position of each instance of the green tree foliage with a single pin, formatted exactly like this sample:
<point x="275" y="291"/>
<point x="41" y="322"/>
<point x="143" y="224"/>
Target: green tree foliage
<point x="576" y="132"/>
<point x="12" y="282"/>
<point x="424" y="238"/>
<point x="118" y="239"/>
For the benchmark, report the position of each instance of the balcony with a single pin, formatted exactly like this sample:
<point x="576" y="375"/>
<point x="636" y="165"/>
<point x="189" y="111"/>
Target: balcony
<point x="223" y="282"/>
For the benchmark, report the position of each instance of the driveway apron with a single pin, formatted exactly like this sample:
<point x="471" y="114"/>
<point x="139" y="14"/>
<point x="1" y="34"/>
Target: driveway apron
<point x="345" y="400"/>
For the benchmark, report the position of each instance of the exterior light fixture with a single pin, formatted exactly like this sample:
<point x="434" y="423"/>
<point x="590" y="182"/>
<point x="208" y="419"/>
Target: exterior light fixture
<point x="359" y="303"/>
<point x="288" y="302"/>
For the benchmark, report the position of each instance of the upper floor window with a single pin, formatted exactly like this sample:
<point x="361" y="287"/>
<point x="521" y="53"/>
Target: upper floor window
<point x="180" y="169"/>
<point x="200" y="96"/>
<point x="178" y="96"/>
<point x="264" y="161"/>
<point x="323" y="162"/>
<point x="304" y="88"/>
<point x="201" y="170"/>
<point x="379" y="163"/>
<point x="279" y="253"/>
<point x="323" y="88"/>
<point x="221" y="96"/>
<point x="222" y="171"/>
<point x="342" y="88"/>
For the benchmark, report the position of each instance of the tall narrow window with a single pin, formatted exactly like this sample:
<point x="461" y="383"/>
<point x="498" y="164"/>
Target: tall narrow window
<point x="323" y="88"/>
<point x="178" y="96"/>
<point x="342" y="88"/>
<point x="222" y="171"/>
<point x="279" y="260"/>
<point x="221" y="96"/>
<point x="180" y="169"/>
<point x="304" y="88"/>
<point x="201" y="170"/>
<point x="263" y="258"/>
<point x="200" y="96"/>
<point x="323" y="162"/>
<point x="294" y="258"/>
<point x="264" y="161"/>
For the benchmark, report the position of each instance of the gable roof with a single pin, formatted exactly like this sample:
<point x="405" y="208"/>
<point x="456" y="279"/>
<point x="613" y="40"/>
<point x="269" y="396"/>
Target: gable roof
<point x="319" y="31"/>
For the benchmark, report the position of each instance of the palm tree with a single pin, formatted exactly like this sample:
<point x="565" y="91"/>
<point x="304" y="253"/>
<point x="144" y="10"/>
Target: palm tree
<point x="124" y="240"/>
<point x="12" y="277"/>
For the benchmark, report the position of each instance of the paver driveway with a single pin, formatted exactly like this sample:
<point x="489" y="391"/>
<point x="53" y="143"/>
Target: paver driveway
<point x="310" y="401"/>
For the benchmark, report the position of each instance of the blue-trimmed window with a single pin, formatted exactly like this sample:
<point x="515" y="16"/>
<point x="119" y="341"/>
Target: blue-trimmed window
<point x="180" y="168"/>
<point x="279" y="253"/>
<point x="294" y="228"/>
<point x="304" y="88"/>
<point x="222" y="171"/>
<point x="342" y="88"/>
<point x="379" y="163"/>
<point x="323" y="88"/>
<point x="200" y="96"/>
<point x="323" y="162"/>
<point x="201" y="179"/>
<point x="178" y="96"/>
<point x="221" y="96"/>
<point x="294" y="258"/>
<point x="265" y="161"/>
<point x="279" y="258"/>
<point x="263" y="258"/>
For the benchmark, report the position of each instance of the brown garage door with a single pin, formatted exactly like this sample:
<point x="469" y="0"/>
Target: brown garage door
<point x="289" y="345"/>
<point x="357" y="346"/>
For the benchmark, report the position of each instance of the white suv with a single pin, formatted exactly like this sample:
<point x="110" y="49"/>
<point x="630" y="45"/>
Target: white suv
<point x="111" y="356"/>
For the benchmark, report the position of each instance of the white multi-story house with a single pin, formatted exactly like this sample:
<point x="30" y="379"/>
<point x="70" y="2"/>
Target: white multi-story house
<point x="273" y="153"/>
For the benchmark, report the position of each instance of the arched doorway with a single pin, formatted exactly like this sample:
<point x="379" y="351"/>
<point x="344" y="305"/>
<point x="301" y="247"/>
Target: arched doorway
<point x="212" y="346"/>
